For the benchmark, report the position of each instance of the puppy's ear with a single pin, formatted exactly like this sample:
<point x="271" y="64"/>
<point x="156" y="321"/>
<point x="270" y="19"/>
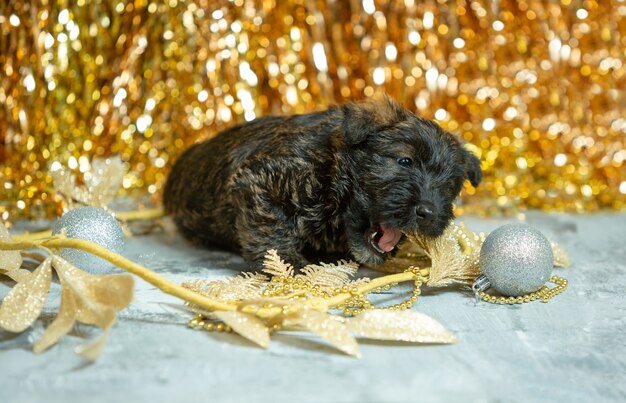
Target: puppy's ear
<point x="364" y="119"/>
<point x="472" y="168"/>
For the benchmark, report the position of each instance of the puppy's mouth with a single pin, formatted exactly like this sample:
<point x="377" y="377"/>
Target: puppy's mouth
<point x="384" y="239"/>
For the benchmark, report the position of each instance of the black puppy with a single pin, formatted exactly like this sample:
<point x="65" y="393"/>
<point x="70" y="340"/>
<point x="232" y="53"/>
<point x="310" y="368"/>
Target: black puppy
<point x="348" y="180"/>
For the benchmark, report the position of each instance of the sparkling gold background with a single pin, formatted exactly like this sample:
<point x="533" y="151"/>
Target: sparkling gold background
<point x="537" y="87"/>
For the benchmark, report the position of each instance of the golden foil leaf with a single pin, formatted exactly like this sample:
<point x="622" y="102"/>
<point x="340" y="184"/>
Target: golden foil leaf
<point x="113" y="290"/>
<point x="329" y="327"/>
<point x="241" y="287"/>
<point x="10" y="260"/>
<point x="329" y="276"/>
<point x="87" y="298"/>
<point x="98" y="297"/>
<point x="246" y="325"/>
<point x="91" y="299"/>
<point x="93" y="350"/>
<point x="275" y="266"/>
<point x="18" y="275"/>
<point x="407" y="326"/>
<point x="22" y="306"/>
<point x="62" y="324"/>
<point x="454" y="256"/>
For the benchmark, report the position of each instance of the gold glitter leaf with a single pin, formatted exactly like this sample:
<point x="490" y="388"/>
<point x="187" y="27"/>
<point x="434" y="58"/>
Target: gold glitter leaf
<point x="243" y="286"/>
<point x="329" y="327"/>
<point x="94" y="349"/>
<point x="87" y="298"/>
<point x="98" y="297"/>
<point x="10" y="260"/>
<point x="62" y="324"/>
<point x="399" y="325"/>
<point x="17" y="275"/>
<point x="276" y="266"/>
<point x="329" y="276"/>
<point x="454" y="255"/>
<point x="22" y="306"/>
<point x="247" y="326"/>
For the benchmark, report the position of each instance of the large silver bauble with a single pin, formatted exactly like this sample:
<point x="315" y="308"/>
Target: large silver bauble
<point x="95" y="225"/>
<point x="517" y="259"/>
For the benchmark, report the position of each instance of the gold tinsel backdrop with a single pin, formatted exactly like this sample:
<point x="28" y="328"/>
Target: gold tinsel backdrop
<point x="536" y="87"/>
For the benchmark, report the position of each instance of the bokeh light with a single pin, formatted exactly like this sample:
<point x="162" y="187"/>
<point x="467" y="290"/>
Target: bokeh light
<point x="536" y="88"/>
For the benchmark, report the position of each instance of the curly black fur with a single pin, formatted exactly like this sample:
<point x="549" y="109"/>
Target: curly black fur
<point x="321" y="183"/>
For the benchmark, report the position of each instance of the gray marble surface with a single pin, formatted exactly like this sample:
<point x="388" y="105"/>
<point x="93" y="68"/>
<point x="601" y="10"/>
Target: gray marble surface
<point x="571" y="349"/>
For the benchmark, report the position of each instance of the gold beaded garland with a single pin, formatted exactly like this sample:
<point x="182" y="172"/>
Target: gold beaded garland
<point x="545" y="294"/>
<point x="200" y="322"/>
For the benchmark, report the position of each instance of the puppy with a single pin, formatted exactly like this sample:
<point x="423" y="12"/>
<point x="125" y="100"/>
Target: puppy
<point x="346" y="181"/>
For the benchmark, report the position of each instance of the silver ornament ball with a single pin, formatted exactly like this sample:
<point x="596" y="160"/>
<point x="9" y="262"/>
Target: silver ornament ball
<point x="517" y="259"/>
<point x="95" y="225"/>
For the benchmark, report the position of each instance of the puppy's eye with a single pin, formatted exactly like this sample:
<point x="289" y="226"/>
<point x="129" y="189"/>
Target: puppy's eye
<point x="405" y="161"/>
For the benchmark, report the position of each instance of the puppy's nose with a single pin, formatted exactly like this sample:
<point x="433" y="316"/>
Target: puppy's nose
<point x="424" y="213"/>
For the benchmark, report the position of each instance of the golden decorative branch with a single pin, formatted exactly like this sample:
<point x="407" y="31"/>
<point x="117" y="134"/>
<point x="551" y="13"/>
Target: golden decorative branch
<point x="285" y="307"/>
<point x="183" y="293"/>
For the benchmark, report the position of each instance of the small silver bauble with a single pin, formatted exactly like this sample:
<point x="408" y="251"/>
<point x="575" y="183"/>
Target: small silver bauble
<point x="516" y="259"/>
<point x="91" y="224"/>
